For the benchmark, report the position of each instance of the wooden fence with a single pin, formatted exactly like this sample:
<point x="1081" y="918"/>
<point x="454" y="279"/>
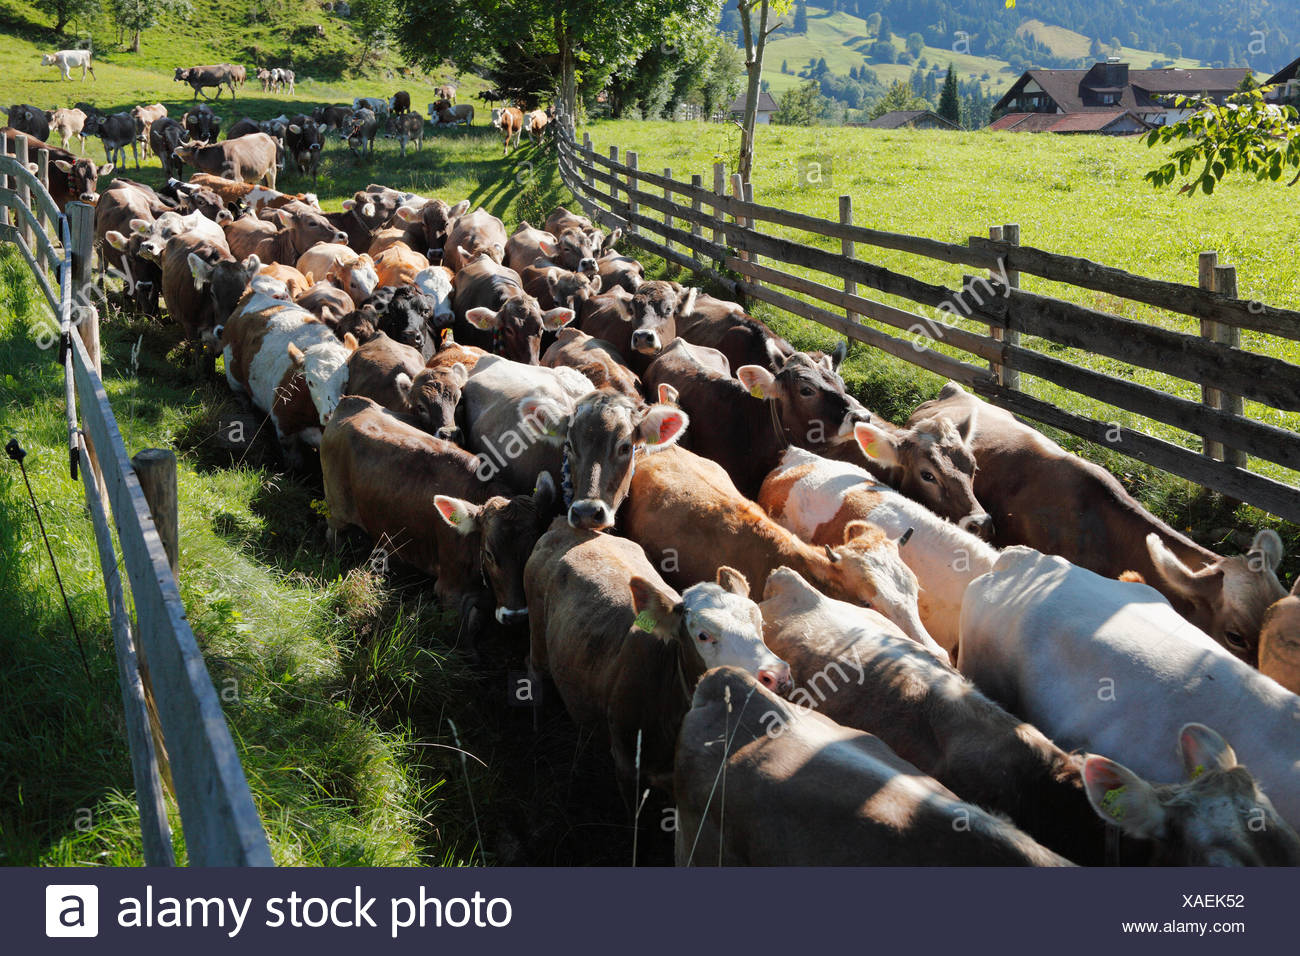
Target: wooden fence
<point x="714" y="231"/>
<point x="169" y="701"/>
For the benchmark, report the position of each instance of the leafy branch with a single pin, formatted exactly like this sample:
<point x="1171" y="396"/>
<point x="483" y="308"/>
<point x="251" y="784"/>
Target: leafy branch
<point x="1244" y="134"/>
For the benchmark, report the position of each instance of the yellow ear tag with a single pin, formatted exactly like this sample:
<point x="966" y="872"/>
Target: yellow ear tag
<point x="870" y="448"/>
<point x="646" y="621"/>
<point x="756" y="391"/>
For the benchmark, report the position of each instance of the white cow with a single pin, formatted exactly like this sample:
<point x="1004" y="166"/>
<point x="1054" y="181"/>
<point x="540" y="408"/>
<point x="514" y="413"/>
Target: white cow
<point x="377" y="104"/>
<point x="68" y="60"/>
<point x="817" y="498"/>
<point x="1110" y="667"/>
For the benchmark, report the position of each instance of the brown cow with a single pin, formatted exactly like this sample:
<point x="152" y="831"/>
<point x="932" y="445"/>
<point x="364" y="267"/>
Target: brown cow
<point x="755" y="416"/>
<point x="1042" y="496"/>
<point x="427" y="224"/>
<point x="535" y="123"/>
<point x="400" y="103"/>
<point x="724" y="326"/>
<point x="202" y="284"/>
<point x="438" y="524"/>
<point x="494" y="312"/>
<point x="285" y="240"/>
<point x="251" y="159"/>
<point x="395" y="376"/>
<point x="1279" y="641"/>
<point x="71" y="179"/>
<point x="624" y="648"/>
<point x="145" y="117"/>
<point x="327" y="302"/>
<point x="619" y="270"/>
<point x="554" y="287"/>
<point x="510" y="120"/>
<point x="399" y="264"/>
<point x="593" y="358"/>
<point x="443" y="113"/>
<point x="525" y="246"/>
<point x="471" y="235"/>
<point x="804" y="791"/>
<point x="295" y="283"/>
<point x="690" y="518"/>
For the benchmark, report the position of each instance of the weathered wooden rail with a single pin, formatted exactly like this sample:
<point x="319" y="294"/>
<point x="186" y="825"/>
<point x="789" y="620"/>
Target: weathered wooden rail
<point x="169" y="701"/>
<point x="716" y="232"/>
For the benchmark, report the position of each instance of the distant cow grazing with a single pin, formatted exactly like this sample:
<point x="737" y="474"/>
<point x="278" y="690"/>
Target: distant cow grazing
<point x="219" y="75"/>
<point x="510" y="121"/>
<point x="446" y="92"/>
<point x="249" y="159"/>
<point x="69" y="60"/>
<point x="400" y="103"/>
<point x="69" y="123"/>
<point x="408" y="126"/>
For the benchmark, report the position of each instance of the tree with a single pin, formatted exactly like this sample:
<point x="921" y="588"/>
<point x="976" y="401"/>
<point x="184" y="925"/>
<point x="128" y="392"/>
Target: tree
<point x="915" y="44"/>
<point x="371" y="19"/>
<point x="723" y="79"/>
<point x="65" y="10"/>
<point x="949" y="100"/>
<point x="801" y="18"/>
<point x="548" y="45"/>
<point x="802" y="106"/>
<point x="1173" y="51"/>
<point x="1094" y="48"/>
<point x="785" y="66"/>
<point x="884" y="33"/>
<point x="755" y="36"/>
<point x="882" y="52"/>
<point x="899" y="97"/>
<point x="139" y="15"/>
<point x="873" y="22"/>
<point x="1245" y="134"/>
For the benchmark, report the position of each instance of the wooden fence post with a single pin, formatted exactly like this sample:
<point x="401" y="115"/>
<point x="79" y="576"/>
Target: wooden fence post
<point x="81" y="229"/>
<point x="848" y="251"/>
<point x="156" y="469"/>
<point x="738" y="192"/>
<point x="613" y="182"/>
<point x="668" y="217"/>
<point x="4" y="180"/>
<point x="23" y="192"/>
<point x="697" y="183"/>
<point x="632" y="184"/>
<point x="588" y="164"/>
<point x="1010" y="234"/>
<point x="43" y="176"/>
<point x="1205" y="275"/>
<point x="719" y="189"/>
<point x="1225" y="283"/>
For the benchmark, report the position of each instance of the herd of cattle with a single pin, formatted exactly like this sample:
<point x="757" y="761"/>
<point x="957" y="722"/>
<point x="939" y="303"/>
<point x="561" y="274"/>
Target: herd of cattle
<point x="944" y="642"/>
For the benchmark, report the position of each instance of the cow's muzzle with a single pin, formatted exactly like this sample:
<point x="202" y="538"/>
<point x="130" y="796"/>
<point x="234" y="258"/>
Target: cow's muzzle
<point x="590" y="514"/>
<point x="505" y="615"/>
<point x="646" y="341"/>
<point x="980" y="525"/>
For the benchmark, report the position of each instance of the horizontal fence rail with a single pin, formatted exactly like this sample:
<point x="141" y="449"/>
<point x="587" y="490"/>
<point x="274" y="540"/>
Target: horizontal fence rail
<point x="176" y="731"/>
<point x="715" y="232"/>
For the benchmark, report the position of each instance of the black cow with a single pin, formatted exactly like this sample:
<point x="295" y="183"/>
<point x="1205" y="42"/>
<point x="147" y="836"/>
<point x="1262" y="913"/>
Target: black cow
<point x="116" y="132"/>
<point x="30" y="119"/>
<point x="332" y="117"/>
<point x="243" y="127"/>
<point x="303" y="141"/>
<point x="406" y="315"/>
<point x="202" y="124"/>
<point x="164" y="136"/>
<point x="219" y="75"/>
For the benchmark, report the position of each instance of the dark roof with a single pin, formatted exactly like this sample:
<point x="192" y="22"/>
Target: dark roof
<point x="1289" y="72"/>
<point x="1079" y="91"/>
<point x="901" y="119"/>
<point x="1092" y="121"/>
<point x="765" y="103"/>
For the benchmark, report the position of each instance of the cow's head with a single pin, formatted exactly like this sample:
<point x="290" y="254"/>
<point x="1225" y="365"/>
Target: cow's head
<point x="811" y="403"/>
<point x="518" y="326"/>
<point x="1219" y="817"/>
<point x="408" y="316"/>
<point x="603" y="435"/>
<point x="497" y="112"/>
<point x="570" y="289"/>
<point x="1229" y="597"/>
<point x="432" y="397"/>
<point x="83" y="178"/>
<point x="182" y="73"/>
<point x="656" y="308"/>
<point x="358" y="278"/>
<point x="435" y="218"/>
<point x="574" y="251"/>
<point x="714" y="625"/>
<point x="508" y="528"/>
<point x="324" y="367"/>
<point x="930" y="462"/>
<point x="307" y="227"/>
<point x="1279" y="641"/>
<point x="225" y="279"/>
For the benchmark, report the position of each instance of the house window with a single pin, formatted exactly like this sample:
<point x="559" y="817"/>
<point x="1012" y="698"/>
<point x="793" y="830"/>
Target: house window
<point x="1109" y="99"/>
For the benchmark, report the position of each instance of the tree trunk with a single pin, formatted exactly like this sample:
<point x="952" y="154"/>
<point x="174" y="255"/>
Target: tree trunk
<point x="60" y="21"/>
<point x="568" y="91"/>
<point x="135" y="42"/>
<point x="755" y="44"/>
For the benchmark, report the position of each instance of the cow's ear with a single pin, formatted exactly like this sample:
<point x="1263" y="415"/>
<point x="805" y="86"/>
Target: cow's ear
<point x="656" y="611"/>
<point x="118" y="242"/>
<point x="348" y="204"/>
<point x="967" y="426"/>
<point x="481" y="317"/>
<point x="544" y="495"/>
<point x="402" y="382"/>
<point x="458" y="210"/>
<point x="1265" y="551"/>
<point x="1196" y="586"/>
<point x="140" y="225"/>
<point x="1203" y="749"/>
<point x="296" y="355"/>
<point x="594" y="283"/>
<point x="556" y="319"/>
<point x="538" y="408"/>
<point x="549" y="249"/>
<point x="458" y="374"/>
<point x="281" y="215"/>
<point x="1122" y="798"/>
<point x="295" y="129"/>
<point x="758" y="381"/>
<point x="635" y="279"/>
<point x="687" y="308"/>
<point x="104" y="170"/>
<point x="612" y="239"/>
<point x="408" y="214"/>
<point x="662" y="426"/>
<point x="63" y="165"/>
<point x="855" y="528"/>
<point x="876" y="443"/>
<point x="201" y="270"/>
<point x="461" y="515"/>
<point x="667" y="394"/>
<point x="729" y="579"/>
<point x="251" y="266"/>
<point x="351" y="344"/>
